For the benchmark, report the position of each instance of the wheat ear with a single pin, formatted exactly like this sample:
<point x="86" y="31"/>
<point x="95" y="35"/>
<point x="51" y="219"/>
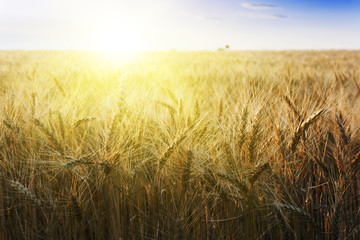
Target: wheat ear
<point x="292" y="107"/>
<point x="50" y="136"/>
<point x="243" y="132"/>
<point x="297" y="211"/>
<point x="83" y="120"/>
<point x="61" y="89"/>
<point x="26" y="192"/>
<point x="239" y="184"/>
<point x="76" y="162"/>
<point x="354" y="162"/>
<point x="61" y="125"/>
<point x="165" y="156"/>
<point x="303" y="127"/>
<point x="342" y="129"/>
<point x="220" y="109"/>
<point x="257" y="172"/>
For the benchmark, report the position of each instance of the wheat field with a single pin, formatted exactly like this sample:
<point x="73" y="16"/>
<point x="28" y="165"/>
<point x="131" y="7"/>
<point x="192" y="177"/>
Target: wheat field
<point x="180" y="145"/>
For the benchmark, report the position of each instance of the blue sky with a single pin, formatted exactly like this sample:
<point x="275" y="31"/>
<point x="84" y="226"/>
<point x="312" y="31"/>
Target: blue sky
<point x="181" y="24"/>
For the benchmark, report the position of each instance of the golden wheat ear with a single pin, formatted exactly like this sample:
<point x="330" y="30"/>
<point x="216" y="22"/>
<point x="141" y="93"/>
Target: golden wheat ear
<point x="50" y="136"/>
<point x="164" y="157"/>
<point x="342" y="129"/>
<point x="293" y="108"/>
<point x="25" y="191"/>
<point x="303" y="127"/>
<point x="297" y="211"/>
<point x="255" y="174"/>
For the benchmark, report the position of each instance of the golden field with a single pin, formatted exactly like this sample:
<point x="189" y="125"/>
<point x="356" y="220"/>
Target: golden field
<point x="180" y="145"/>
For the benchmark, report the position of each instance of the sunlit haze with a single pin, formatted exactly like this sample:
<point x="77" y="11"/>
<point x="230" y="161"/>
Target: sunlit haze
<point x="179" y="24"/>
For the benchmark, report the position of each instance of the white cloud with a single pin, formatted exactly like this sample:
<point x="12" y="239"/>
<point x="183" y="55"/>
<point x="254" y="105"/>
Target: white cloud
<point x="214" y="18"/>
<point x="267" y="16"/>
<point x="259" y="6"/>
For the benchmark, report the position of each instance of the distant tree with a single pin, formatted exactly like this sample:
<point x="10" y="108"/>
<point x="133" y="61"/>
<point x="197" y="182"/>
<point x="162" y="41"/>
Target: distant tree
<point x="227" y="46"/>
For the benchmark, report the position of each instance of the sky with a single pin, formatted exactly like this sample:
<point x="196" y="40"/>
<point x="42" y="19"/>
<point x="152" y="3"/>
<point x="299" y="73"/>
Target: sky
<point x="128" y="25"/>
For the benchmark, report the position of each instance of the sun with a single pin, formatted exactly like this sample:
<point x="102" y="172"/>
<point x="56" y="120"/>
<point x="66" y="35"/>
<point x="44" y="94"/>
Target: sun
<point x="118" y="40"/>
<point x="132" y="28"/>
<point x="121" y="35"/>
<point x="118" y="37"/>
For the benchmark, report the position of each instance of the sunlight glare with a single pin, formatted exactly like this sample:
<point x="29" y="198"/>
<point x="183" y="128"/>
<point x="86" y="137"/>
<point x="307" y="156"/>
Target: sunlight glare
<point x="120" y="38"/>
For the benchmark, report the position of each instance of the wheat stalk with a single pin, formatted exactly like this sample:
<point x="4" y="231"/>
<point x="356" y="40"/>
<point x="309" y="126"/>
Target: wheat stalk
<point x="283" y="223"/>
<point x="187" y="170"/>
<point x="335" y="222"/>
<point x="220" y="110"/>
<point x="197" y="110"/>
<point x="33" y="103"/>
<point x="76" y="207"/>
